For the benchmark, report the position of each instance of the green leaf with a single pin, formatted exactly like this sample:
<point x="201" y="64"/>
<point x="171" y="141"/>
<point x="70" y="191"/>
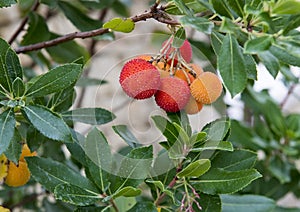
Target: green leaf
<point x="179" y="38"/>
<point x="48" y="123"/>
<point x="126" y="135"/>
<point x="292" y="23"/>
<point x="128" y="192"/>
<point x="195" y="169"/>
<point x="196" y="6"/>
<point x="214" y="145"/>
<point x="270" y="61"/>
<point x="143" y="206"/>
<point x="7" y="3"/>
<point x="219" y="181"/>
<point x="99" y="158"/>
<point x="86" y="81"/>
<point x="234" y="161"/>
<point x="198" y="23"/>
<point x="250" y="66"/>
<point x="76" y="148"/>
<point x="75" y="194"/>
<point x="247" y="203"/>
<point x="4" y="74"/>
<point x="67" y="52"/>
<point x="120" y="25"/>
<point x="286" y="7"/>
<point x="63" y="100"/>
<point x="182" y="119"/>
<point x="7" y="129"/>
<point x="55" y="80"/>
<point x="237" y="6"/>
<point x="167" y="128"/>
<point x="13" y="65"/>
<point x="258" y="45"/>
<point x="182" y="7"/>
<point x="217" y="129"/>
<point x="280" y="168"/>
<point x="210" y="202"/>
<point x="161" y="187"/>
<point x="51" y="173"/>
<point x="93" y="116"/>
<point x="216" y="41"/>
<point x="231" y="65"/>
<point x="286" y="52"/>
<point x="221" y="8"/>
<point x="37" y="26"/>
<point x="78" y="17"/>
<point x="18" y="87"/>
<point x="14" y="149"/>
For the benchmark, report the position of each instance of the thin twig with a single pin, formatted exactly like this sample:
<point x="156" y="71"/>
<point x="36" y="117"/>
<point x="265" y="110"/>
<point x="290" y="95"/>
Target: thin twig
<point x="23" y="23"/>
<point x="290" y="91"/>
<point x="155" y="13"/>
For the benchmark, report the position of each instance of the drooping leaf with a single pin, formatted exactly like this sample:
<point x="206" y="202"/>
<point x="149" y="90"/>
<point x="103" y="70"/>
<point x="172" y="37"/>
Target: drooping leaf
<point x="48" y="123"/>
<point x="214" y="145"/>
<point x="75" y="194"/>
<point x="257" y="45"/>
<point x="182" y="7"/>
<point x="50" y="174"/>
<point x="126" y="135"/>
<point x="143" y="206"/>
<point x="94" y="116"/>
<point x="286" y="7"/>
<point x="4" y="75"/>
<point x="7" y="129"/>
<point x="286" y="52"/>
<point x="210" y="202"/>
<point x="270" y="61"/>
<point x="231" y="65"/>
<point x="14" y="149"/>
<point x="221" y="8"/>
<point x="182" y="119"/>
<point x="120" y="25"/>
<point x="99" y="158"/>
<point x="217" y="129"/>
<point x="216" y="41"/>
<point x="7" y="3"/>
<point x="198" y="23"/>
<point x="292" y="23"/>
<point x="55" y="80"/>
<point x="63" y="100"/>
<point x="196" y="6"/>
<point x="13" y="65"/>
<point x="280" y="168"/>
<point x="247" y="203"/>
<point x="78" y="18"/>
<point x="219" y="181"/>
<point x="250" y="66"/>
<point x="237" y="6"/>
<point x="86" y="81"/>
<point x="195" y="169"/>
<point x="77" y="149"/>
<point x="37" y="26"/>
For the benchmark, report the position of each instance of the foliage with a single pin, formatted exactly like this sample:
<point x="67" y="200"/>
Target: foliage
<point x="213" y="169"/>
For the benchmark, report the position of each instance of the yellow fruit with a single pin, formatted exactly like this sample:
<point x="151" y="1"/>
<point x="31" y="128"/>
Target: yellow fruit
<point x="181" y="74"/>
<point x="158" y="209"/>
<point x="196" y="68"/>
<point x="17" y="175"/>
<point x="206" y="88"/>
<point x="3" y="168"/>
<point x="2" y="209"/>
<point x="26" y="153"/>
<point x="193" y="106"/>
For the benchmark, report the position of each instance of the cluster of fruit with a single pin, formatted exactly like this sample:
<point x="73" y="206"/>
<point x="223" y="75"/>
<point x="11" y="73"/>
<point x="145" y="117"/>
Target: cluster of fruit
<point x="12" y="174"/>
<point x="175" y="82"/>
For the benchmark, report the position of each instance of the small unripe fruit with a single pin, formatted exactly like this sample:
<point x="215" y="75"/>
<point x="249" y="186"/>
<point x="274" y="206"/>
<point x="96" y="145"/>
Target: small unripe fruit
<point x="139" y="79"/>
<point x="173" y="94"/>
<point x="193" y="106"/>
<point x="206" y="88"/>
<point x="185" y="51"/>
<point x="17" y="175"/>
<point x="26" y="153"/>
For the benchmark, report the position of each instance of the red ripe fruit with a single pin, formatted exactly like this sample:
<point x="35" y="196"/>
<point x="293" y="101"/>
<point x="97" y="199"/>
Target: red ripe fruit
<point x="173" y="94"/>
<point x="139" y="79"/>
<point x="185" y="51"/>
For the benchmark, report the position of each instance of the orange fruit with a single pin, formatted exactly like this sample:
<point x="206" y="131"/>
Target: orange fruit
<point x="17" y="175"/>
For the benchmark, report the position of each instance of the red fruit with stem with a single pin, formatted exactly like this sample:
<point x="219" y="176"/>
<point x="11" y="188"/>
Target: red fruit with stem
<point x="139" y="79"/>
<point x="173" y="94"/>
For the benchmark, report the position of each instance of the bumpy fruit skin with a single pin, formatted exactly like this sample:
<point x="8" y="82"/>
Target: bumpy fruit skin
<point x="206" y="88"/>
<point x="193" y="106"/>
<point x="173" y="94"/>
<point x="185" y="51"/>
<point x="184" y="75"/>
<point x="17" y="175"/>
<point x="139" y="79"/>
<point x="26" y="153"/>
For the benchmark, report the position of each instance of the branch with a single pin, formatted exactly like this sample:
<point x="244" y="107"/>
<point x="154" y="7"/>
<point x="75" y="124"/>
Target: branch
<point x="155" y="13"/>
